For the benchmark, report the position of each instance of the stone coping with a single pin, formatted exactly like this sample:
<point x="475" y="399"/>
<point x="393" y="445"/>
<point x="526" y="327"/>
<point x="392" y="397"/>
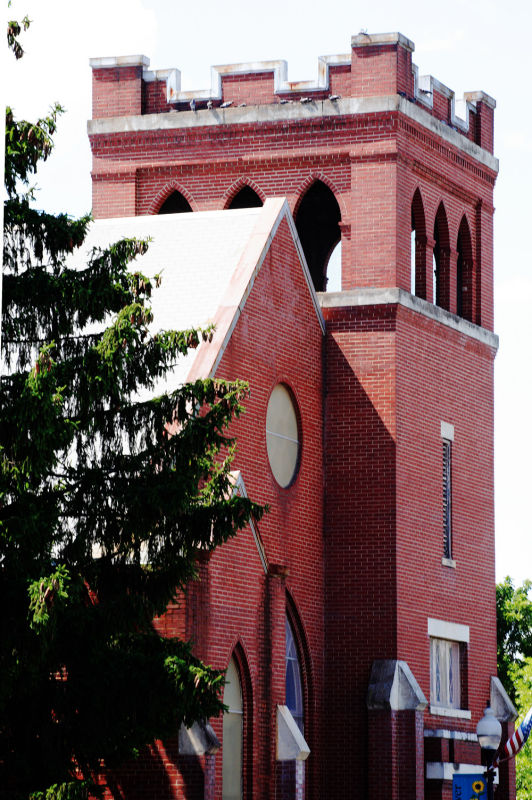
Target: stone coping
<point x="294" y="111"/>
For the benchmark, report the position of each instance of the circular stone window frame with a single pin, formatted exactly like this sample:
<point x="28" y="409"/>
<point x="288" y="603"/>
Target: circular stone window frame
<point x="275" y="438"/>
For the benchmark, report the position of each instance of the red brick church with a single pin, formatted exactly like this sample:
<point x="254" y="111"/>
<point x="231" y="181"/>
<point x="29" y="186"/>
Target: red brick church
<point x="357" y="621"/>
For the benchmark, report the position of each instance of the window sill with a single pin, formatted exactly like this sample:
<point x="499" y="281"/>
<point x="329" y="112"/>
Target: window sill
<point x="448" y="562"/>
<point x="458" y="713"/>
<point x="444" y="771"/>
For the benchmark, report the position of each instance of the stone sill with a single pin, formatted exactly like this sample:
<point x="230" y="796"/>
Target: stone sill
<point x="458" y="713"/>
<point x="448" y="562"/>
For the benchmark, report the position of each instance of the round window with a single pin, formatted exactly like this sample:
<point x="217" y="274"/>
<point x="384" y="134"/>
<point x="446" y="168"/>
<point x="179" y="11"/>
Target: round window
<point x="282" y="435"/>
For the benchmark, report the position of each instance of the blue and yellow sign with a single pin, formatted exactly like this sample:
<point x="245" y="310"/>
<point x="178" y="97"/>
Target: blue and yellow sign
<point x="469" y="787"/>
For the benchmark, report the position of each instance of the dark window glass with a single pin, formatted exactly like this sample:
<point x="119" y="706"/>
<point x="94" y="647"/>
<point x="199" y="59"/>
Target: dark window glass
<point x="447" y="550"/>
<point x="294" y="691"/>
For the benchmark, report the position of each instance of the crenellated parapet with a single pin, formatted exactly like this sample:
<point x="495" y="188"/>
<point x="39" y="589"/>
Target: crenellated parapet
<point x="379" y="65"/>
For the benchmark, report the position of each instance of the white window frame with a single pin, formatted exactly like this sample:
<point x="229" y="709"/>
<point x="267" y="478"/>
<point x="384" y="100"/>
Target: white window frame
<point x="457" y="635"/>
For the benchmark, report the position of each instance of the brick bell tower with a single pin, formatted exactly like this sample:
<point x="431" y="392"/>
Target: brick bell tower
<point x="384" y="162"/>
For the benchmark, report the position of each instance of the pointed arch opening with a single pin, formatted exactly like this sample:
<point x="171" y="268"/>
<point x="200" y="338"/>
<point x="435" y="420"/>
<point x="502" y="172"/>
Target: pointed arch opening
<point x="176" y="203"/>
<point x="291" y="775"/>
<point x="246" y="197"/>
<point x="440" y="260"/>
<point x="418" y="245"/>
<point x="237" y="730"/>
<point x="317" y="221"/>
<point x="464" y="272"/>
<point x="233" y="735"/>
<point x="293" y="678"/>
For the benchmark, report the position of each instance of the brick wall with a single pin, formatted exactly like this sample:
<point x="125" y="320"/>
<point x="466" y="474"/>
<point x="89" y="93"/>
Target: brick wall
<point x="356" y="543"/>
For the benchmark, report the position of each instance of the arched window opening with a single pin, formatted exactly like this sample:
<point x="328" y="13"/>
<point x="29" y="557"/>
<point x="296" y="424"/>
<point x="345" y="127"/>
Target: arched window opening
<point x="233" y="735"/>
<point x="413" y="260"/>
<point x="294" y="684"/>
<point x="440" y="260"/>
<point x="334" y="269"/>
<point x="292" y="773"/>
<point x="176" y="203"/>
<point x="246" y="197"/>
<point x="464" y="272"/>
<point x="317" y="221"/>
<point x="418" y="245"/>
<point x="436" y="269"/>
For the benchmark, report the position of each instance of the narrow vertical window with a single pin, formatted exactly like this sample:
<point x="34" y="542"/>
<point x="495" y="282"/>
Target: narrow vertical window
<point x="294" y="690"/>
<point x="436" y="270"/>
<point x="418" y="247"/>
<point x="441" y="260"/>
<point x="460" y="287"/>
<point x="447" y="499"/>
<point x="232" y="743"/>
<point x="413" y="258"/>
<point x="294" y="778"/>
<point x="464" y="272"/>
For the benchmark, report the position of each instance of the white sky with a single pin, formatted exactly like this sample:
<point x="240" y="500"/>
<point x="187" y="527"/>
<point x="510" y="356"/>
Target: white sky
<point x="466" y="45"/>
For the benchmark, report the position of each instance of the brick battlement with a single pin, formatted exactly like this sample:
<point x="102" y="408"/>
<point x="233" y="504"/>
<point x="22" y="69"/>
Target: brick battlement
<point x="379" y="65"/>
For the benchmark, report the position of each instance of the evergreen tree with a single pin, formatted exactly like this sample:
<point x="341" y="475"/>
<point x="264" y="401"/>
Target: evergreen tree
<point x="102" y="511"/>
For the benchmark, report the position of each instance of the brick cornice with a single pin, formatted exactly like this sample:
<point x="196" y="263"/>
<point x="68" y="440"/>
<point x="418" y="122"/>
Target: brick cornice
<point x="322" y="110"/>
<point x="395" y="298"/>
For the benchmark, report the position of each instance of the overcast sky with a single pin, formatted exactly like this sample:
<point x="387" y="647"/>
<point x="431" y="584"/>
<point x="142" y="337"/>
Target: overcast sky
<point x="467" y="46"/>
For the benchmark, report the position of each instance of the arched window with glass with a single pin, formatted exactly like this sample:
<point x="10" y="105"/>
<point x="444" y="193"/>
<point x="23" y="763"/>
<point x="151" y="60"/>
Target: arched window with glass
<point x="294" y="688"/>
<point x="293" y="775"/>
<point x="233" y="735"/>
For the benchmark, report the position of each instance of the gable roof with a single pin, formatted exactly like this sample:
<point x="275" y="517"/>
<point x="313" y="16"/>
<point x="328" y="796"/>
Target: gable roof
<point x="208" y="262"/>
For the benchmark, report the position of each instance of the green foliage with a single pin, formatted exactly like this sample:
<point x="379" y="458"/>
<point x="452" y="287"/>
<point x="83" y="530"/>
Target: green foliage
<point x="514" y="630"/>
<point x="69" y="790"/>
<point x="14" y="30"/>
<point x="102" y="510"/>
<point x="27" y="144"/>
<point x="514" y="657"/>
<point x="522" y="677"/>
